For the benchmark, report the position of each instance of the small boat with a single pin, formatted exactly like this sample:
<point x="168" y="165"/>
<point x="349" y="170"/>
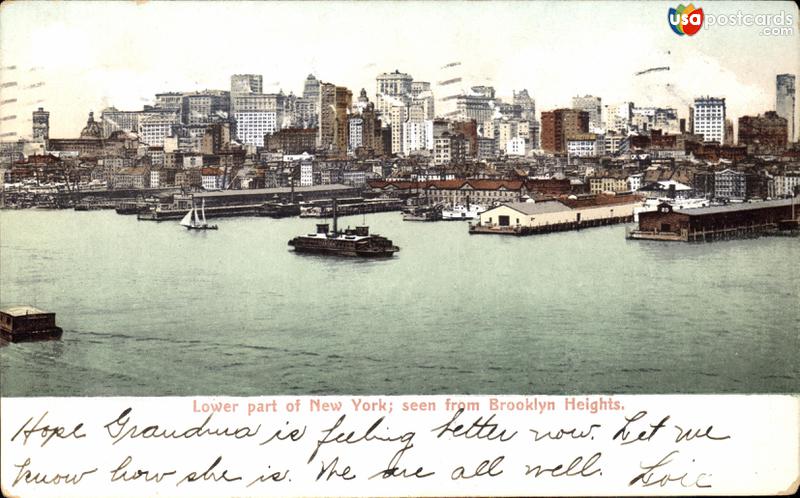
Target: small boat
<point x="356" y="242"/>
<point x="423" y="213"/>
<point x="192" y="222"/>
<point x="27" y="323"/>
<point x="460" y="212"/>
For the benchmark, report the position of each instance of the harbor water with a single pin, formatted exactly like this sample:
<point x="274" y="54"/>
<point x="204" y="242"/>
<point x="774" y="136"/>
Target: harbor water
<point x="153" y="309"/>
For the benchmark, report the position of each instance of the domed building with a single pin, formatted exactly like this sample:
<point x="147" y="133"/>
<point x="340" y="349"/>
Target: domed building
<point x="92" y="129"/>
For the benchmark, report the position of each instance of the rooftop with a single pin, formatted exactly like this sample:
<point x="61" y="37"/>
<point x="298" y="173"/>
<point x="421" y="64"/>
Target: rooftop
<point x="22" y="310"/>
<point x="536" y="207"/>
<point x="746" y="206"/>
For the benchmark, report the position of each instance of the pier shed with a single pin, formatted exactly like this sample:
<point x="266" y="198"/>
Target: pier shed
<point x="738" y="220"/>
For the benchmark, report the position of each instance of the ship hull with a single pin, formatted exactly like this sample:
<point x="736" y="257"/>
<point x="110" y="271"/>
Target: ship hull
<point x="32" y="335"/>
<point x="350" y="253"/>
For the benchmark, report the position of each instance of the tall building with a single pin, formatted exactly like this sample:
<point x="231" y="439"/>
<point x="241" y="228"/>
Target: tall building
<point x="204" y="107"/>
<point x="41" y="125"/>
<point x="526" y="103"/>
<point x="391" y="90"/>
<point x="113" y="120"/>
<point x="448" y="87"/>
<point x="247" y="83"/>
<point x="478" y="104"/>
<point x="334" y="104"/>
<point x="591" y="105"/>
<point x="785" y="102"/>
<point x="251" y="126"/>
<point x="559" y="125"/>
<point x="763" y="134"/>
<point x="709" y="119"/>
<point x="618" y="117"/>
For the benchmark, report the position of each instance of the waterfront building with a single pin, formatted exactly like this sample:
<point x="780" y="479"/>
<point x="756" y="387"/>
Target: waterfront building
<point x="485" y="192"/>
<point x="565" y="213"/>
<point x="635" y="181"/>
<point x="763" y="134"/>
<point x="306" y="174"/>
<point x="708" y="118"/>
<point x="712" y="223"/>
<point x="131" y="178"/>
<point x="730" y="184"/>
<point x="212" y="178"/>
<point x="41" y="125"/>
<point x="786" y="103"/>
<point x="787" y="184"/>
<point x="608" y="183"/>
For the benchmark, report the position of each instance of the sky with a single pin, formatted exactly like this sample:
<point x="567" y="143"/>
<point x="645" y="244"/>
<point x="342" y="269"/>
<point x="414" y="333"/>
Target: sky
<point x="76" y="57"/>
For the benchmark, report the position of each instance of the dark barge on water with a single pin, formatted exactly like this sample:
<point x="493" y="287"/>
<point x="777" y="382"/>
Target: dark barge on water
<point x="26" y="323"/>
<point x="355" y="242"/>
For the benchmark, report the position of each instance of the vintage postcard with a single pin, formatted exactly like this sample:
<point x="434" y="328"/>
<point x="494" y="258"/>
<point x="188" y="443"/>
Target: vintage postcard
<point x="391" y="248"/>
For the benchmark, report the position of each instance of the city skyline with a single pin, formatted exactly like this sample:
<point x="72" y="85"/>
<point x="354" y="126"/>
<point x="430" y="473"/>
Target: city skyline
<point x="102" y="61"/>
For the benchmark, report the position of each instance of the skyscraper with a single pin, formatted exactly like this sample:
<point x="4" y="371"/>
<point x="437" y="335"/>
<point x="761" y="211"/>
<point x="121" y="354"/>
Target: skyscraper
<point x="41" y="125"/>
<point x="709" y="119"/>
<point x="333" y="129"/>
<point x="592" y="105"/>
<point x="247" y="83"/>
<point x="785" y="101"/>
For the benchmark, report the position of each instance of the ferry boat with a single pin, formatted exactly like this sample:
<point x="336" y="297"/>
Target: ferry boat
<point x="279" y="209"/>
<point x="27" y="323"/>
<point x="355" y="242"/>
<point x="460" y="212"/>
<point x="423" y="213"/>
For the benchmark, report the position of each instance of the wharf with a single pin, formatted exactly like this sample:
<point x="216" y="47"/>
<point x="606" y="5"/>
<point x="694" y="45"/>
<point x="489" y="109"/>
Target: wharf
<point x="211" y="212"/>
<point x="521" y="231"/>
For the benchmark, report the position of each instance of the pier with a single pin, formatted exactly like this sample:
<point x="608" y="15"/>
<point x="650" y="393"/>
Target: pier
<point x="733" y="221"/>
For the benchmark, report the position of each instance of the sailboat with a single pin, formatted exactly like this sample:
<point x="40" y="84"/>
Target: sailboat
<point x="192" y="222"/>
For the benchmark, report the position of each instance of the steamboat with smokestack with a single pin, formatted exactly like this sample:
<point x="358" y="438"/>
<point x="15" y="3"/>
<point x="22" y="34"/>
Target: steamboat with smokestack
<point x="351" y="242"/>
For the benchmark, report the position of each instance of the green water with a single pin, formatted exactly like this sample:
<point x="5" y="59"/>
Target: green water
<point x="152" y="309"/>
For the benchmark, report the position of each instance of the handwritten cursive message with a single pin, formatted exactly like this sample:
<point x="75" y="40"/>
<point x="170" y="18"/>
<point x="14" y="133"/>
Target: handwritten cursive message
<point x="410" y="445"/>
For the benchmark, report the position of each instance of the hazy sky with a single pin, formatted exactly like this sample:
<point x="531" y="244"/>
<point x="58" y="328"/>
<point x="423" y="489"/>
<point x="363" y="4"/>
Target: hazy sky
<point x="93" y="54"/>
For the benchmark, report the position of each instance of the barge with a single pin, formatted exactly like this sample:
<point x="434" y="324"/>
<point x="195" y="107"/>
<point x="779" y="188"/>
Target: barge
<point x="27" y="323"/>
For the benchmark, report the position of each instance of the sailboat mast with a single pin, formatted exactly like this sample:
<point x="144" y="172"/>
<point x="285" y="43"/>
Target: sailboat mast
<point x="203" y="207"/>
